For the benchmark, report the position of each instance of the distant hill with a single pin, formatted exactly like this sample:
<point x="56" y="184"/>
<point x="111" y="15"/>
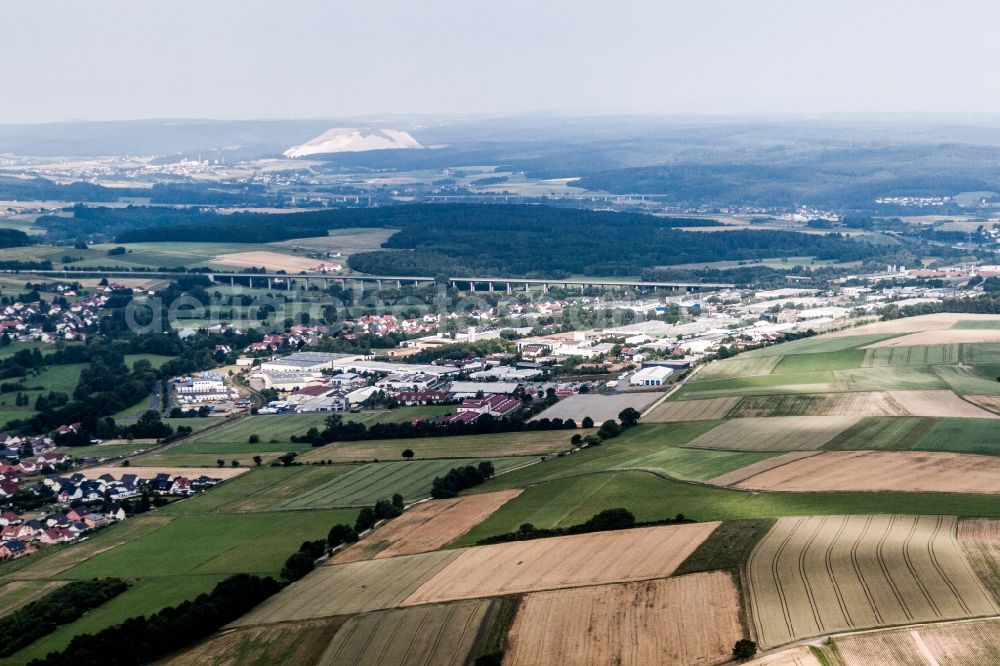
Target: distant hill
<point x="353" y="140"/>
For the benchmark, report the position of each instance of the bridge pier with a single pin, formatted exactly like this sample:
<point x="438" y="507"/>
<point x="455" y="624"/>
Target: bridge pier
<point x="269" y="284"/>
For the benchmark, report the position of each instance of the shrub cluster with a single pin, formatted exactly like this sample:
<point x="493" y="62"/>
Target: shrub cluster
<point x="459" y="478"/>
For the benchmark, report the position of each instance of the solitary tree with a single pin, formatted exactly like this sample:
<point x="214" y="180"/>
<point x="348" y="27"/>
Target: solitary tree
<point x="257" y="460"/>
<point x="408" y="454"/>
<point x="587" y="422"/>
<point x="629" y="417"/>
<point x="253" y="439"/>
<point x="744" y="649"/>
<point x="220" y="462"/>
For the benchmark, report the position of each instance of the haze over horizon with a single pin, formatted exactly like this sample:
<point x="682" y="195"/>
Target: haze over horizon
<point x="115" y="60"/>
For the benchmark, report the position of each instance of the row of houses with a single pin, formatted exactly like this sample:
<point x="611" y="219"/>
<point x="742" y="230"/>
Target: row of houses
<point x="20" y="536"/>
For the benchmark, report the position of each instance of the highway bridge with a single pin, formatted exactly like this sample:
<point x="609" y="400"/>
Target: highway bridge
<point x="260" y="280"/>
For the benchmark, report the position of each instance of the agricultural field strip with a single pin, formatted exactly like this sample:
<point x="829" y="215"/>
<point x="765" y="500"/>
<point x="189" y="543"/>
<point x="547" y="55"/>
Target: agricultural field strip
<point x="979" y="539"/>
<point x="370" y="482"/>
<point x="559" y="562"/>
<point x="434" y="634"/>
<point x="738" y="367"/>
<point x="957" y="642"/>
<point x="673" y="621"/>
<point x="425" y="527"/>
<point x="796" y="656"/>
<point x="880" y="357"/>
<point x="778" y="433"/>
<point x="744" y="473"/>
<point x="874" y="471"/>
<point x="350" y="588"/>
<point x="861" y="403"/>
<point x="816" y="576"/>
<point x="701" y="409"/>
<point x="947" y="337"/>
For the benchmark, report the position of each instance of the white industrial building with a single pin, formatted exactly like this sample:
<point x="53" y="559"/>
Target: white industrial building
<point x="652" y="376"/>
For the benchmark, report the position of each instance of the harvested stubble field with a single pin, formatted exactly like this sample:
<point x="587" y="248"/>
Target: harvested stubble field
<point x="872" y="403"/>
<point x="350" y="588"/>
<point x="815" y="576"/>
<point x="440" y="634"/>
<point x="938" y="403"/>
<point x="299" y="643"/>
<point x="599" y="407"/>
<point x="939" y="321"/>
<point x="874" y="471"/>
<point x="947" y="337"/>
<point x="975" y="643"/>
<point x="988" y="402"/>
<point x="706" y="409"/>
<point x="765" y="465"/>
<point x="270" y="260"/>
<point x="779" y="433"/>
<point x="738" y="367"/>
<point x="980" y="541"/>
<point x="675" y="622"/>
<point x="425" y="527"/>
<point x="568" y="561"/>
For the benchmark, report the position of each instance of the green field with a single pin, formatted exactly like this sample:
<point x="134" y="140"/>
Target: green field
<point x="573" y="500"/>
<point x="966" y="383"/>
<point x="820" y="344"/>
<point x="655" y="448"/>
<point x="205" y="454"/>
<point x="881" y="433"/>
<point x="170" y="560"/>
<point x="962" y="436"/>
<point x="62" y="378"/>
<point x="145" y="597"/>
<point x="263" y="489"/>
<point x="212" y="544"/>
<point x="156" y="360"/>
<point x="977" y="324"/>
<point x="363" y="485"/>
<point x="890" y="378"/>
<point x="819" y="362"/>
<point x="804" y="382"/>
<point x="462" y="446"/>
<point x="916" y="355"/>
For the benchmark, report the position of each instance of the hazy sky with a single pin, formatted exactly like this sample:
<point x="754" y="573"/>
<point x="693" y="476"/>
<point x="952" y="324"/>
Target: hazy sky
<point x="118" y="59"/>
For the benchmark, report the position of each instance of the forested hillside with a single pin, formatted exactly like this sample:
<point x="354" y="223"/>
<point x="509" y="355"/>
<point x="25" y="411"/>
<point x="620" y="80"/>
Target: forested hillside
<point x="515" y="240"/>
